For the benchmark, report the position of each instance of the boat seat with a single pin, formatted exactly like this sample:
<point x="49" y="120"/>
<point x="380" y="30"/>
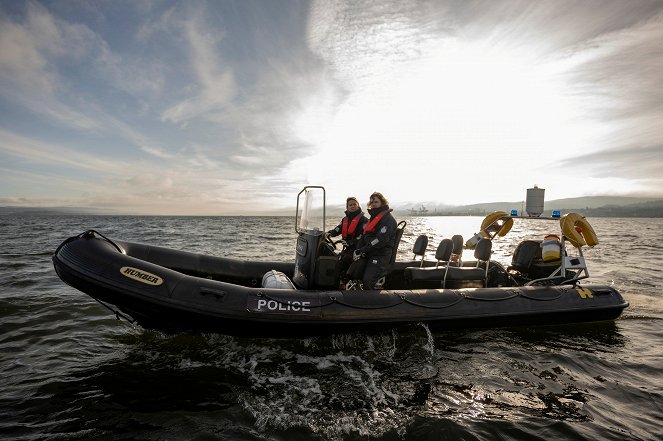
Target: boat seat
<point x="397" y="240"/>
<point x="525" y="254"/>
<point x="419" y="248"/>
<point x="434" y="277"/>
<point x="457" y="252"/>
<point x="327" y="272"/>
<point x="442" y="254"/>
<point x="527" y="261"/>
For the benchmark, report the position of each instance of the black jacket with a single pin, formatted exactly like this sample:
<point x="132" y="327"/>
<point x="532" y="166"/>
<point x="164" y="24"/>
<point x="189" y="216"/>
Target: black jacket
<point x="379" y="241"/>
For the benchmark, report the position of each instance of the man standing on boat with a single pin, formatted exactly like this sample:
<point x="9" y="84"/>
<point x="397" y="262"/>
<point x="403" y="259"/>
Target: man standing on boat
<point x="350" y="229"/>
<point x="378" y="242"/>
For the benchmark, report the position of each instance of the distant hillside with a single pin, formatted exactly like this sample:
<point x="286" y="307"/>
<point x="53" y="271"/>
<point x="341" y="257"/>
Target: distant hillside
<point x="597" y="201"/>
<point x="640" y="209"/>
<point x="597" y="206"/>
<point x="7" y="210"/>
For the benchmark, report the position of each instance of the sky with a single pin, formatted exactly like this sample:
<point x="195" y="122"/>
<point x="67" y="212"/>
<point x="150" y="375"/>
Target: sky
<point x="231" y="107"/>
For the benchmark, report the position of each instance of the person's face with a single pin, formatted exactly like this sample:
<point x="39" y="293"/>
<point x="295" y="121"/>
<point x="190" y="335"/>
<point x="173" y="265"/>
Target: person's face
<point x="375" y="202"/>
<point x="352" y="206"/>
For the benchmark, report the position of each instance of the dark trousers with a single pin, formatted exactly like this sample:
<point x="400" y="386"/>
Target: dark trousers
<point x="346" y="260"/>
<point x="376" y="269"/>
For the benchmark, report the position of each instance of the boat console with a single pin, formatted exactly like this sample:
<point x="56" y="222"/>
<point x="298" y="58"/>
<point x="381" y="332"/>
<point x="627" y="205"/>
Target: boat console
<point x="316" y="263"/>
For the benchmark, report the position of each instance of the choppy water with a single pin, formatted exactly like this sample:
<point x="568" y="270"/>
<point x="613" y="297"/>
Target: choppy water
<point x="70" y="370"/>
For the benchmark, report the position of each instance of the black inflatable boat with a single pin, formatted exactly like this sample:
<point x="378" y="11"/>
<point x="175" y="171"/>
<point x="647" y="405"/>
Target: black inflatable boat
<point x="169" y="290"/>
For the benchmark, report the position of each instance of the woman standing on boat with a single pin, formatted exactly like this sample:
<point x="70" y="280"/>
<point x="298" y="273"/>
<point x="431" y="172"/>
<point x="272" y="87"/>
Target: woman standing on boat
<point x="350" y="229"/>
<point x="378" y="241"/>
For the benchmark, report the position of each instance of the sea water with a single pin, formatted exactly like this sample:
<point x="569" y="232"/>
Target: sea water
<point x="70" y="370"/>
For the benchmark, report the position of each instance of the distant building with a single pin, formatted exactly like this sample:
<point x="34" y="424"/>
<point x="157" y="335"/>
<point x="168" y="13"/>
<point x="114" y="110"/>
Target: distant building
<point x="421" y="211"/>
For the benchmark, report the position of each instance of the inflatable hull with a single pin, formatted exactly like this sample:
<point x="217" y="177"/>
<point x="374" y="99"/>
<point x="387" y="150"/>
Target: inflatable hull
<point x="173" y="290"/>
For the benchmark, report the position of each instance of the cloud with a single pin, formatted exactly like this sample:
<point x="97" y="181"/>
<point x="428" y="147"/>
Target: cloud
<point x="487" y="87"/>
<point x="624" y="67"/>
<point x="155" y="151"/>
<point x="218" y="106"/>
<point x="29" y="52"/>
<point x="25" y="48"/>
<point x="143" y="187"/>
<point x="630" y="161"/>
<point x="616" y="76"/>
<point x="208" y="145"/>
<point x="215" y="86"/>
<point x="38" y="152"/>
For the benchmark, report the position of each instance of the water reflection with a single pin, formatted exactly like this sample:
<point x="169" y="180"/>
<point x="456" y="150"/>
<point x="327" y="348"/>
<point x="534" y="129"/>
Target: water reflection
<point x="72" y="371"/>
<point x="351" y="383"/>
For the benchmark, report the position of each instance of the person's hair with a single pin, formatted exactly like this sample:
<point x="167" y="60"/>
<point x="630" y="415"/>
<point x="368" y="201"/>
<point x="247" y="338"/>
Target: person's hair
<point x="351" y="198"/>
<point x="378" y="195"/>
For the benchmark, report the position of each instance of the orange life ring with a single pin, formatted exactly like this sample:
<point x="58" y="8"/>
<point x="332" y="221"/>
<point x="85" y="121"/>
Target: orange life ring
<point x="577" y="230"/>
<point x="492" y="222"/>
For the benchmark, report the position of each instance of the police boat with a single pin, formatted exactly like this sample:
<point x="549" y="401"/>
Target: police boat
<point x="172" y="290"/>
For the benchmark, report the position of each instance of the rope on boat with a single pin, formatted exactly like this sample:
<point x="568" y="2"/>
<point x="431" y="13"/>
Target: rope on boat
<point x="334" y="299"/>
<point x="70" y="239"/>
<point x="459" y="298"/>
<point x="559" y="294"/>
<point x="514" y="293"/>
<point x="349" y="305"/>
<point x="89" y="233"/>
<point x="92" y="232"/>
<point x="118" y="314"/>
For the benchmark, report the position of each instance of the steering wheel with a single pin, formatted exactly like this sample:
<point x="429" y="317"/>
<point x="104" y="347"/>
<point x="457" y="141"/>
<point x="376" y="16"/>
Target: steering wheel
<point x="328" y="240"/>
<point x="332" y="243"/>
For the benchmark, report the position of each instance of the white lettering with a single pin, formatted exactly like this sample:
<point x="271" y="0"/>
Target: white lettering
<point x="290" y="305"/>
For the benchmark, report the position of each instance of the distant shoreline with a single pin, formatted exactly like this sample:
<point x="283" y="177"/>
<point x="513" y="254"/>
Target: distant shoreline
<point x="590" y="207"/>
<point x="397" y="213"/>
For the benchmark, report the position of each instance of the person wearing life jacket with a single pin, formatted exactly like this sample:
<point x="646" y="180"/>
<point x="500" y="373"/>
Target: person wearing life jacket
<point x="350" y="229"/>
<point x="377" y="243"/>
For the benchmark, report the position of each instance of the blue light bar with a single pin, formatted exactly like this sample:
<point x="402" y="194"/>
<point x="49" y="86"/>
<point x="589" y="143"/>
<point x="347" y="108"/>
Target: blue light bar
<point x="556" y="213"/>
<point x="514" y="212"/>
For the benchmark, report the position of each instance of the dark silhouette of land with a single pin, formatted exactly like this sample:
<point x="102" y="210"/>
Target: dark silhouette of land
<point x="593" y="206"/>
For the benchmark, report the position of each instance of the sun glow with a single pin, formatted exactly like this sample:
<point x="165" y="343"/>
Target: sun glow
<point x="458" y="108"/>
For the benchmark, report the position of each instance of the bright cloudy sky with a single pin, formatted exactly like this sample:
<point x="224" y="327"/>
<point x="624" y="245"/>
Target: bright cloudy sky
<point x="224" y="107"/>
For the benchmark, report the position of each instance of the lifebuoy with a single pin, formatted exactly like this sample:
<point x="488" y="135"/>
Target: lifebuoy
<point x="498" y="221"/>
<point x="577" y="230"/>
<point x="492" y="221"/>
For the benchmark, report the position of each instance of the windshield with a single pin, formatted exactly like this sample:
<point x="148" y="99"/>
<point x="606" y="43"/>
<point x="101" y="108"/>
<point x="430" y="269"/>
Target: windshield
<point x="310" y="216"/>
